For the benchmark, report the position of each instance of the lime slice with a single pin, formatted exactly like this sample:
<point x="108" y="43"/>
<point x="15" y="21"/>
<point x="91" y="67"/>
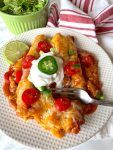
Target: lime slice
<point x="14" y="50"/>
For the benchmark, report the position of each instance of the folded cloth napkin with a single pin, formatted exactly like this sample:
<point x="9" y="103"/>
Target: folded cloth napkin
<point x="93" y="18"/>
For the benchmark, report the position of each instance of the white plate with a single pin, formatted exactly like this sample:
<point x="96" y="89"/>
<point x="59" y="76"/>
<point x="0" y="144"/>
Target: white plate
<point x="30" y="133"/>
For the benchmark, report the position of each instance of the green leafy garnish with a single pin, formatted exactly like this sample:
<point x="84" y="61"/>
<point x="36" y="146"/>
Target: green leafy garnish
<point x="42" y="88"/>
<point x="47" y="92"/>
<point x="22" y="7"/>
<point x="76" y="65"/>
<point x="41" y="52"/>
<point x="100" y="95"/>
<point x="71" y="52"/>
<point x="52" y="49"/>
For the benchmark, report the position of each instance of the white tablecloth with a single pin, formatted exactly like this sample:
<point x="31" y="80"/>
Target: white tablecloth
<point x="95" y="143"/>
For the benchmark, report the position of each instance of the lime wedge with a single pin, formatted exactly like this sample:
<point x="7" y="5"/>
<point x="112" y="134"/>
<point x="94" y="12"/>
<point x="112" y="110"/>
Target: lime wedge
<point x="14" y="50"/>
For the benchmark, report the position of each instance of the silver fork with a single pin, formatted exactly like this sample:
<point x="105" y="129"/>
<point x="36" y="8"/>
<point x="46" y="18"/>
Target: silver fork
<point x="80" y="94"/>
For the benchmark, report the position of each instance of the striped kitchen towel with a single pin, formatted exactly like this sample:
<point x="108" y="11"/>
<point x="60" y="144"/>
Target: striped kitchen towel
<point x="89" y="17"/>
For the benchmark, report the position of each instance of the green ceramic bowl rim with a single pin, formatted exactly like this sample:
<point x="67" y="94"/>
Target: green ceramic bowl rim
<point x="33" y="13"/>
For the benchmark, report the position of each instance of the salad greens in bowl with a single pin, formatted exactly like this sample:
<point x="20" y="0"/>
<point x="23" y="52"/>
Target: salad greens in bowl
<point x="23" y="15"/>
<point x="22" y="7"/>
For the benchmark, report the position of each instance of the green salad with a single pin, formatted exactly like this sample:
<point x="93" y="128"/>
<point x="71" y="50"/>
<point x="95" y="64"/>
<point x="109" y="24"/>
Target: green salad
<point x="21" y="7"/>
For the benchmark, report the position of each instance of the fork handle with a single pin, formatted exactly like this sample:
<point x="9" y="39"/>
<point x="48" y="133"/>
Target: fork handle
<point x="103" y="102"/>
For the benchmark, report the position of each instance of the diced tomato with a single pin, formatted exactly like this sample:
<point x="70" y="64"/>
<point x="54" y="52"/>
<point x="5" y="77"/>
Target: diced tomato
<point x="71" y="68"/>
<point x="62" y="104"/>
<point x="30" y="96"/>
<point x="7" y="75"/>
<point x="18" y="75"/>
<point x="52" y="85"/>
<point x="27" y="62"/>
<point x="44" y="46"/>
<point x="88" y="60"/>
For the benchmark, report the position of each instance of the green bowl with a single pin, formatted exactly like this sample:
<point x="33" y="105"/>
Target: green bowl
<point x="18" y="24"/>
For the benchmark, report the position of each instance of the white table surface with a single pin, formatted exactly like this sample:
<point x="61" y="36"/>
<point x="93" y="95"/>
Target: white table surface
<point x="7" y="143"/>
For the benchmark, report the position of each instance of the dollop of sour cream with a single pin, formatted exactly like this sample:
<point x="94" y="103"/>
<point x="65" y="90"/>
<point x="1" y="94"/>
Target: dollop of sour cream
<point x="40" y="79"/>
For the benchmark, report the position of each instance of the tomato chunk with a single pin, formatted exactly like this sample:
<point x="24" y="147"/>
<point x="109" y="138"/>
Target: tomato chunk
<point x="88" y="60"/>
<point x="62" y="104"/>
<point x="30" y="96"/>
<point x="18" y="75"/>
<point x="52" y="85"/>
<point x="7" y="75"/>
<point x="44" y="46"/>
<point x="71" y="68"/>
<point x="27" y="62"/>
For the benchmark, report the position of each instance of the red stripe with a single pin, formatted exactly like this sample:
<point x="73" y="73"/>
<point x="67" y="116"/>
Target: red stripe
<point x="104" y="29"/>
<point x="51" y="19"/>
<point x="71" y="1"/>
<point x="53" y="14"/>
<point x="54" y="10"/>
<point x="107" y="22"/>
<point x="87" y="29"/>
<point x="86" y="6"/>
<point x="101" y="12"/>
<point x="105" y="32"/>
<point x="80" y="3"/>
<point x="92" y="5"/>
<point x="111" y="19"/>
<point x="74" y="12"/>
<point x="75" y="2"/>
<point x="75" y="18"/>
<point x="104" y="15"/>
